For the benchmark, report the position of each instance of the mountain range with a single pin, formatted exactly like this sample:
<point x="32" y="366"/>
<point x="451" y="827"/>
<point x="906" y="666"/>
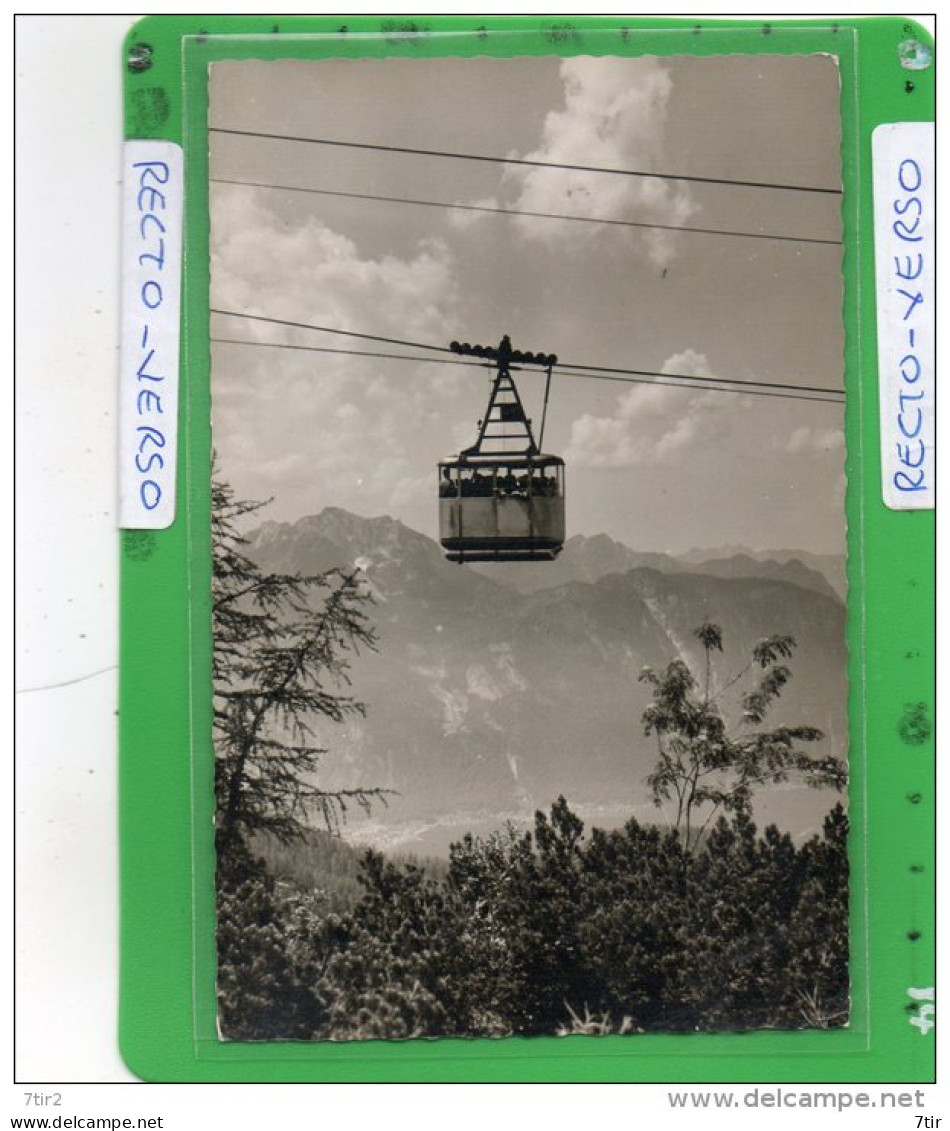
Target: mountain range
<point x="493" y="690"/>
<point x="589" y="558"/>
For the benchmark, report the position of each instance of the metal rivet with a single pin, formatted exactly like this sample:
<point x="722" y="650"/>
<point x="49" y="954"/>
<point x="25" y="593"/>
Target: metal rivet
<point x="140" y="58"/>
<point x="914" y="55"/>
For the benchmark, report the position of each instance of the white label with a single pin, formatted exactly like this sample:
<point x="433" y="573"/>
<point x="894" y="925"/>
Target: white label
<point x="904" y="222"/>
<point x="153" y="187"/>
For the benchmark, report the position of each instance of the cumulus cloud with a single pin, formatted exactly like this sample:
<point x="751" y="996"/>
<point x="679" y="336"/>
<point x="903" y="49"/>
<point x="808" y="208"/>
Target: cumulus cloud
<point x="465" y="215"/>
<point x="806" y="439"/>
<point x="315" y="428"/>
<point x="614" y="116"/>
<point x="653" y="424"/>
<point x="310" y="273"/>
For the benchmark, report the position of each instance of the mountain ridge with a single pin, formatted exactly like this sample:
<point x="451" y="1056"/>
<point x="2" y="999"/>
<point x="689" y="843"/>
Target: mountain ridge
<point x="483" y="699"/>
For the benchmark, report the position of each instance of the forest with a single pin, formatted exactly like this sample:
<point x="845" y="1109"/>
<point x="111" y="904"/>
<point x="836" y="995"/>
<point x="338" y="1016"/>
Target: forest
<point x="550" y="931"/>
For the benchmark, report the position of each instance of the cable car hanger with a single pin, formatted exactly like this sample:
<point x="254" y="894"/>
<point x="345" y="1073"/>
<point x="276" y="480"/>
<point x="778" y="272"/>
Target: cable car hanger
<point x="512" y="410"/>
<point x="498" y="503"/>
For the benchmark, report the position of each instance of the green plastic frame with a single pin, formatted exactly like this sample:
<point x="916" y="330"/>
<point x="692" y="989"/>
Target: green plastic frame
<point x="167" y="1012"/>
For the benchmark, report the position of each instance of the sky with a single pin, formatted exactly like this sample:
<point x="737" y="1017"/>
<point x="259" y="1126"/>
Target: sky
<point x="655" y="467"/>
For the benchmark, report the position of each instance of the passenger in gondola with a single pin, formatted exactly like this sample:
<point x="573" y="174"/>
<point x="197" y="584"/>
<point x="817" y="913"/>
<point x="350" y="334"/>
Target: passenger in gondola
<point x="543" y="485"/>
<point x="446" y="486"/>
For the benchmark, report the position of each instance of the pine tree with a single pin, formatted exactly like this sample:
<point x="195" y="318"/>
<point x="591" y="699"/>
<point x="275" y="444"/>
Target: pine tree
<point x="706" y="763"/>
<point x="639" y="928"/>
<point x="282" y="650"/>
<point x="817" y="973"/>
<point x="402" y="972"/>
<point x="551" y="931"/>
<point x="266" y="988"/>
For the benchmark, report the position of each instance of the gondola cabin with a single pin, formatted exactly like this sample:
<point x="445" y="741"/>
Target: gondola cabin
<point x="502" y="500"/>
<point x="504" y="510"/>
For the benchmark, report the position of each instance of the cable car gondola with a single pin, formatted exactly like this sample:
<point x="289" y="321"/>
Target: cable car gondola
<point x="498" y="503"/>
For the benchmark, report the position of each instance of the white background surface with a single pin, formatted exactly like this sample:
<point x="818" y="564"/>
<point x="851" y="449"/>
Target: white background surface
<point x="68" y="116"/>
<point x="69" y="147"/>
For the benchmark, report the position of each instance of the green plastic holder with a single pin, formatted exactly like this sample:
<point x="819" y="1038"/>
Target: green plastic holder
<point x="167" y="1023"/>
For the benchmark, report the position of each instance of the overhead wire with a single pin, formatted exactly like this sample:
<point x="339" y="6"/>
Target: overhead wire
<point x="704" y="384"/>
<point x="633" y="376"/>
<point x="779" y="390"/>
<point x="484" y="208"/>
<point x="352" y="353"/>
<point x="525" y="161"/>
<point x="605" y="369"/>
<point x="574" y="369"/>
<point x="563" y="367"/>
<point x="330" y="330"/>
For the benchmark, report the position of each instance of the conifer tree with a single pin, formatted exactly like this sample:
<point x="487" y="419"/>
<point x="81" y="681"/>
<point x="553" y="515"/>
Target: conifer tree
<point x="282" y="650"/>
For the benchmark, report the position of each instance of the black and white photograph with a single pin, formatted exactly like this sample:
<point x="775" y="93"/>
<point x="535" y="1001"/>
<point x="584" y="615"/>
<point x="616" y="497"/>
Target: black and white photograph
<point x="529" y="547"/>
